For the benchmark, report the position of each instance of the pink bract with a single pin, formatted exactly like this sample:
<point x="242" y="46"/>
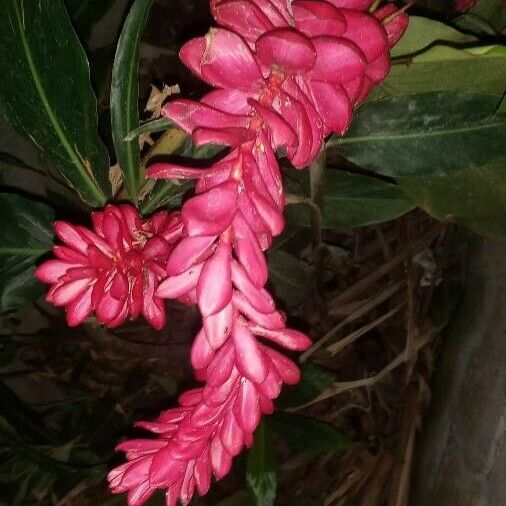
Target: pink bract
<point x="114" y="269"/>
<point x="286" y="74"/>
<point x="282" y="72"/>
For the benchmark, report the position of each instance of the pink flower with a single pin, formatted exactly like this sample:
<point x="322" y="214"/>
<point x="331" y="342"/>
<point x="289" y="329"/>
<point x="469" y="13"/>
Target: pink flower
<point x="219" y="265"/>
<point x="286" y="74"/>
<point x="295" y="73"/>
<point x="247" y="181"/>
<point x="229" y="223"/>
<point x="213" y="423"/>
<point x="112" y="270"/>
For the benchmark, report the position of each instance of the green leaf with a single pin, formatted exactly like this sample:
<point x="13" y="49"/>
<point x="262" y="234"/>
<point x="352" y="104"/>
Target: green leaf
<point x="27" y="233"/>
<point x="205" y="152"/>
<point x="125" y="94"/>
<point x="46" y="94"/>
<point x="432" y="56"/>
<point x="85" y="13"/>
<point x="165" y="193"/>
<point x="172" y="142"/>
<point x="494" y="11"/>
<point x="426" y="134"/>
<point x="20" y="498"/>
<point x="355" y="200"/>
<point x="156" y="194"/>
<point x="294" y="236"/>
<point x="475" y="197"/>
<point x="314" y="380"/>
<point x="424" y="32"/>
<point x="101" y="62"/>
<point x="307" y="435"/>
<point x="445" y="68"/>
<point x="150" y="127"/>
<point x="18" y="176"/>
<point x="261" y="469"/>
<point x="447" y="152"/>
<point x="475" y="24"/>
<point x="290" y="277"/>
<point x="502" y="106"/>
<point x="168" y="383"/>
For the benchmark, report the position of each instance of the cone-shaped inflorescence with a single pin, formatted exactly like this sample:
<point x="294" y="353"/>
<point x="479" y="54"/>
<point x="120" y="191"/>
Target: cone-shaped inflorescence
<point x="286" y="74"/>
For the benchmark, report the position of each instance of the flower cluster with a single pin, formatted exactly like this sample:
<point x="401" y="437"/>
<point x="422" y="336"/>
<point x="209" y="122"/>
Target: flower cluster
<point x="286" y="74"/>
<point x="296" y="71"/>
<point x="212" y="424"/>
<point x="114" y="269"/>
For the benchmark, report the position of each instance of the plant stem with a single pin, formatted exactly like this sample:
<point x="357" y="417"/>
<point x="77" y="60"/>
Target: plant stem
<point x="316" y="178"/>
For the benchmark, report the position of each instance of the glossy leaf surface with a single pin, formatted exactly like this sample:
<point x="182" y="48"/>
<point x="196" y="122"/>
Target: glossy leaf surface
<point x="352" y="200"/>
<point x="434" y="133"/>
<point x="124" y="97"/>
<point x="45" y="93"/>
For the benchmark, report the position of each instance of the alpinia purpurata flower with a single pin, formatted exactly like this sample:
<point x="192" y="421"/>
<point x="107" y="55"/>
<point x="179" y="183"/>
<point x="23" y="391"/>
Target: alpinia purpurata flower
<point x="299" y="71"/>
<point x="213" y="423"/>
<point x="113" y="270"/>
<point x="286" y="74"/>
<point x="248" y="180"/>
<point x="219" y="265"/>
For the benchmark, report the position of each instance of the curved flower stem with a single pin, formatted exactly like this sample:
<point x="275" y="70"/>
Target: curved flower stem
<point x="316" y="178"/>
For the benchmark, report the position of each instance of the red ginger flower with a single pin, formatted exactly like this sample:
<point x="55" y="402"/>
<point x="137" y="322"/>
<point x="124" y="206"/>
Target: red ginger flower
<point x="228" y="224"/>
<point x="114" y="269"/>
<point x="291" y="78"/>
<point x="212" y="424"/>
<point x="299" y="72"/>
<point x="219" y="265"/>
<point x="242" y="375"/>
